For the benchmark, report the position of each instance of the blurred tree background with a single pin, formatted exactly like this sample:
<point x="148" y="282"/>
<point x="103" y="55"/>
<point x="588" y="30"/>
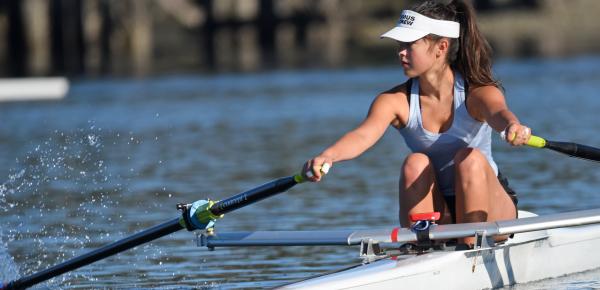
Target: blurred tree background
<point x="88" y="38"/>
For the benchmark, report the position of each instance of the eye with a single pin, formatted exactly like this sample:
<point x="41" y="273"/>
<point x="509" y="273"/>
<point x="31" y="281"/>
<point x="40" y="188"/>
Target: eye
<point x="404" y="45"/>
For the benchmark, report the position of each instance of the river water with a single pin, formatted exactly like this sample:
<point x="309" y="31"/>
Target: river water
<point x="115" y="157"/>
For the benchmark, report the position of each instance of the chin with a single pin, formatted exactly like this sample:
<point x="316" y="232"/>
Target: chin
<point x="409" y="73"/>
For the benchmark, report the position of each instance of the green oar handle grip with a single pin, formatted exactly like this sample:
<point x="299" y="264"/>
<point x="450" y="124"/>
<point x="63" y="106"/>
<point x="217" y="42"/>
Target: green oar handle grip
<point x="534" y="141"/>
<point x="537" y="142"/>
<point x="299" y="178"/>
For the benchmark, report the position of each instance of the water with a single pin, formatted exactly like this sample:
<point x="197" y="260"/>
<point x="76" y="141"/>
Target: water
<point x="115" y="157"/>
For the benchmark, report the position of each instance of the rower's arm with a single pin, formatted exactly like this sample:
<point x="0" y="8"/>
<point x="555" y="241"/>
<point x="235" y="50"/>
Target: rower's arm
<point x="487" y="104"/>
<point x="381" y="114"/>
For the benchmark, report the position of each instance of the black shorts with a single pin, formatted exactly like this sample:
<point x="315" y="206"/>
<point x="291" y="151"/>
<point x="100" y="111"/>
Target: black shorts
<point x="451" y="199"/>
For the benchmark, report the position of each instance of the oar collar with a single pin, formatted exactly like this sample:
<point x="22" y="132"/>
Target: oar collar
<point x="197" y="216"/>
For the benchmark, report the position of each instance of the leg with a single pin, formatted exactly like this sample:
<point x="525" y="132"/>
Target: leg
<point x="479" y="195"/>
<point x="418" y="191"/>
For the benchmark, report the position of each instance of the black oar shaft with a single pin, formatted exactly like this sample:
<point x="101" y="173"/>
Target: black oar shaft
<point x="569" y="148"/>
<point x="574" y="149"/>
<point x="253" y="195"/>
<point x="222" y="207"/>
<point x="106" y="251"/>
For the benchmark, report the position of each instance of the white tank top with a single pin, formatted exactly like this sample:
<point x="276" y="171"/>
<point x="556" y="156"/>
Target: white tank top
<point x="442" y="147"/>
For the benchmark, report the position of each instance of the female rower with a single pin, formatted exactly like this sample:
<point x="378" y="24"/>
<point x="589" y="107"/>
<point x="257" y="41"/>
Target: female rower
<point x="446" y="112"/>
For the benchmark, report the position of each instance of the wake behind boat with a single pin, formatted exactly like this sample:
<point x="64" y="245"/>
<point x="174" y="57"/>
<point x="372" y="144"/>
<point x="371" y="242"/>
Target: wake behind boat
<point x="399" y="259"/>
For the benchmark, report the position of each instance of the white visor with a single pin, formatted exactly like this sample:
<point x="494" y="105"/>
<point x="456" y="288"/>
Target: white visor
<point x="413" y="26"/>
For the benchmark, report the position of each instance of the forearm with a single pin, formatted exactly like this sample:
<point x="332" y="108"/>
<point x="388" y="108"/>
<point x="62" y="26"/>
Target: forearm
<point x="490" y="103"/>
<point x="515" y="132"/>
<point x="348" y="147"/>
<point x="500" y="120"/>
<point x="357" y="141"/>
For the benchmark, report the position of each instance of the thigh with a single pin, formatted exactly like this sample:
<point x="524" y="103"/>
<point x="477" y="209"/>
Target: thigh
<point x="491" y="197"/>
<point x="501" y="205"/>
<point x="419" y="192"/>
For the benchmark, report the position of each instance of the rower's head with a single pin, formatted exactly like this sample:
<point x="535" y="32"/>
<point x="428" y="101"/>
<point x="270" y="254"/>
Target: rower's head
<point x="433" y="34"/>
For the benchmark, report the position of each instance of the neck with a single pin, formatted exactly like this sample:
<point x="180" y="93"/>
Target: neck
<point x="437" y="83"/>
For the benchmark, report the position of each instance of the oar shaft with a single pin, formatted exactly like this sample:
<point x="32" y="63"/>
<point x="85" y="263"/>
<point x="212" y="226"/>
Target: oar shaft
<point x="219" y="208"/>
<point x="106" y="251"/>
<point x="568" y="148"/>
<point x="574" y="150"/>
<point x="254" y="195"/>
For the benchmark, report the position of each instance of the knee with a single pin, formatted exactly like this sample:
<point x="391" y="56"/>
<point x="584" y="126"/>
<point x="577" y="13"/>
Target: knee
<point x="469" y="160"/>
<point x="414" y="166"/>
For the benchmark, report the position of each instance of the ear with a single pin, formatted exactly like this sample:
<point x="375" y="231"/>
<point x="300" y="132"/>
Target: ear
<point x="442" y="46"/>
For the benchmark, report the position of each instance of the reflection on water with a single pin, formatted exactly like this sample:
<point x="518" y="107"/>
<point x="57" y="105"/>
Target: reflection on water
<point x="116" y="156"/>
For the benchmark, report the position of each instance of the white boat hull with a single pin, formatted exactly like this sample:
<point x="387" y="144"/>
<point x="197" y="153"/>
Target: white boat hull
<point x="527" y="257"/>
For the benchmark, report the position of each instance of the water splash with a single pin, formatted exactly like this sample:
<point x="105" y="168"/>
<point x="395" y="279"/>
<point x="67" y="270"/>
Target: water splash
<point x="10" y="187"/>
<point x="64" y="173"/>
<point x="58" y="200"/>
<point x="93" y="140"/>
<point x="65" y="161"/>
<point x="8" y="268"/>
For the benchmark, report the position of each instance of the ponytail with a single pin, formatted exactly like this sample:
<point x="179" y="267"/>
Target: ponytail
<point x="470" y="54"/>
<point x="474" y="58"/>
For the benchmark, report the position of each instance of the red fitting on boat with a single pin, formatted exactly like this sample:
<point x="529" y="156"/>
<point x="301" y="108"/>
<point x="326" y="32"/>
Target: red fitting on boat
<point x="427" y="216"/>
<point x="394" y="235"/>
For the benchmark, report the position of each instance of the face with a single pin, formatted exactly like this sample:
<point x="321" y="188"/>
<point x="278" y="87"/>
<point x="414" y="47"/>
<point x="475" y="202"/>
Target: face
<point x="418" y="56"/>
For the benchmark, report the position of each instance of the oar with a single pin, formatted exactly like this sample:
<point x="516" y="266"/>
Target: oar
<point x="200" y="215"/>
<point x="568" y="148"/>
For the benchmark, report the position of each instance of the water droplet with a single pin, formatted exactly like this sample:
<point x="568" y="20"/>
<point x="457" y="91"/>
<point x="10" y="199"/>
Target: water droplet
<point x="92" y="140"/>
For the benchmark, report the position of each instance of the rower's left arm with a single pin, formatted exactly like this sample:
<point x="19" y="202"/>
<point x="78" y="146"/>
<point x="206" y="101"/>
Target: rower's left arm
<point x="487" y="104"/>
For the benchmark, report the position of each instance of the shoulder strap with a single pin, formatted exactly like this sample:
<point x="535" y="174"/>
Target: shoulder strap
<point x="408" y="89"/>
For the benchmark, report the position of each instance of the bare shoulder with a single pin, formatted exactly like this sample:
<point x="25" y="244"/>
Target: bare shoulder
<point x="485" y="92"/>
<point x="393" y="102"/>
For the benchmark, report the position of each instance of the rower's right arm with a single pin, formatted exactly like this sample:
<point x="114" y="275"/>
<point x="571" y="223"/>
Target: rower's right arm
<point x="389" y="108"/>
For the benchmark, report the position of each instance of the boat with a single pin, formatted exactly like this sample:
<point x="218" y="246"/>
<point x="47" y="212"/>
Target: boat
<point x="406" y="258"/>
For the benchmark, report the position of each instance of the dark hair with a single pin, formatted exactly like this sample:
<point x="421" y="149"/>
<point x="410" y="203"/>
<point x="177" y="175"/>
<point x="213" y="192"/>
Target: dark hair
<point x="471" y="55"/>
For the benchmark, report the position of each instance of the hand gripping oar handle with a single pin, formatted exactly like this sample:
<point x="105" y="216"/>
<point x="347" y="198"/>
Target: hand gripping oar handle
<point x="324" y="169"/>
<point x="209" y="212"/>
<point x="568" y="148"/>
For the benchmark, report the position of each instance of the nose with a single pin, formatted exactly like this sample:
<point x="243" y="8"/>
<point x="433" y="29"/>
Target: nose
<point x="402" y="52"/>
